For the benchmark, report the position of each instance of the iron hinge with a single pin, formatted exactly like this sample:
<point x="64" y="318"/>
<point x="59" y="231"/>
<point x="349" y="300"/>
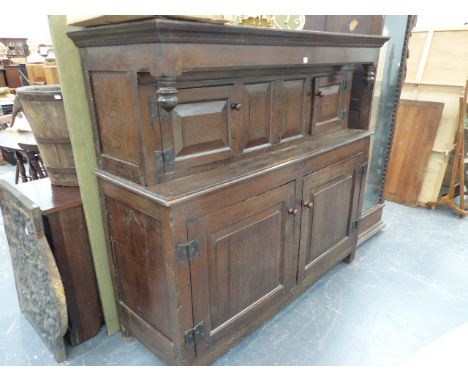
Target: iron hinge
<point x="355" y="225"/>
<point x="344" y="85"/>
<point x="188" y="251"/>
<point x="193" y="335"/>
<point x="363" y="169"/>
<point x="154" y="107"/>
<point x="162" y="157"/>
<point x="343" y="114"/>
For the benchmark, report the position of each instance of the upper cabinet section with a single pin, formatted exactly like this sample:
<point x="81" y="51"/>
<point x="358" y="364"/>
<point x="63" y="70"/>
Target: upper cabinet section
<point x="172" y="98"/>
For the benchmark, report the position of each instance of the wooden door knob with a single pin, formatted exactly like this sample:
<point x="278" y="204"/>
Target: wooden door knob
<point x="319" y="93"/>
<point x="308" y="204"/>
<point x="236" y="106"/>
<point x="293" y="211"/>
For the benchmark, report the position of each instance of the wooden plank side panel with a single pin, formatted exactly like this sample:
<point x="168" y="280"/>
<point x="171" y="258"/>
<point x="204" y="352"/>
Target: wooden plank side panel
<point x="113" y="97"/>
<point x="415" y="131"/>
<point x="136" y="243"/>
<point x="70" y="245"/>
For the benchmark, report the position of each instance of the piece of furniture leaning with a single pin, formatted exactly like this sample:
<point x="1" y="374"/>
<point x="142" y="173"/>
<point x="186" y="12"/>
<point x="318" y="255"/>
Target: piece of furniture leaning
<point x="40" y="290"/>
<point x="457" y="173"/>
<point x="437" y="71"/>
<point x="415" y="131"/>
<point x="390" y="77"/>
<point x="232" y="162"/>
<point x="64" y="227"/>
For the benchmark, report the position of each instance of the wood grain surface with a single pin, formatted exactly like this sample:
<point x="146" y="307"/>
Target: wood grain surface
<point x="416" y="128"/>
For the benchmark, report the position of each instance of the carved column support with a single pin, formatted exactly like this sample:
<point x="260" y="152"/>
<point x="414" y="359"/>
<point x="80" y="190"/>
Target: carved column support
<point x="370" y="74"/>
<point x="167" y="93"/>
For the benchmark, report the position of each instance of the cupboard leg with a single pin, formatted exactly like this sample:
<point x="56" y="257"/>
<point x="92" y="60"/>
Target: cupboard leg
<point x="349" y="259"/>
<point x="125" y="333"/>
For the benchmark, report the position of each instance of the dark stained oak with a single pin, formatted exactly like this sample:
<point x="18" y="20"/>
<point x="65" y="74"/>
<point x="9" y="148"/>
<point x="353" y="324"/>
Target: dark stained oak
<point x="142" y="274"/>
<point x="244" y="263"/>
<point x="170" y="31"/>
<point x="329" y="212"/>
<point x="232" y="164"/>
<point x="50" y="198"/>
<point x="331" y="102"/>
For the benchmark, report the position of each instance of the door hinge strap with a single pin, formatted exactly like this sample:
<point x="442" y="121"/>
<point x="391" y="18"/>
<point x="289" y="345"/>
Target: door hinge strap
<point x="343" y="114"/>
<point x="193" y="335"/>
<point x="344" y="85"/>
<point x="363" y="169"/>
<point x="162" y="157"/>
<point x="188" y="251"/>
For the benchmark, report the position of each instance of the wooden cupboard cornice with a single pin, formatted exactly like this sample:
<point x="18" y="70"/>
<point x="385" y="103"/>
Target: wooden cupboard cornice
<point x="170" y="31"/>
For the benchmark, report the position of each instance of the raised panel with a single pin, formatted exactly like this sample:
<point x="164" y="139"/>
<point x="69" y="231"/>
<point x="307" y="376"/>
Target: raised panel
<point x="200" y="127"/>
<point x="293" y="121"/>
<point x="244" y="265"/>
<point x="136" y="244"/>
<point x="329" y="208"/>
<point x="257" y="116"/>
<point x="114" y="97"/>
<point x="332" y="209"/>
<point x="331" y="102"/>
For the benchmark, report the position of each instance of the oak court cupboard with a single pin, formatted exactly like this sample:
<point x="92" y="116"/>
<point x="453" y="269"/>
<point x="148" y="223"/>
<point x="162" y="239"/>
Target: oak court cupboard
<point x="231" y="165"/>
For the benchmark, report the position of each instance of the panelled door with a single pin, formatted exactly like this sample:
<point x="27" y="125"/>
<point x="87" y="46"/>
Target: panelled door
<point x="199" y="129"/>
<point x="245" y="264"/>
<point x="331" y="99"/>
<point x="329" y="215"/>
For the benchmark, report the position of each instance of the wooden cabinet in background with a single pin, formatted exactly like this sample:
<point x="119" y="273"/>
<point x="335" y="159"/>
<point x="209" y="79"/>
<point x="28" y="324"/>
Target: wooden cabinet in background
<point x="359" y="24"/>
<point x="13" y="76"/>
<point x="230" y="169"/>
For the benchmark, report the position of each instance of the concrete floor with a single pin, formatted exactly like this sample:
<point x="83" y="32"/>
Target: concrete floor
<point x="406" y="290"/>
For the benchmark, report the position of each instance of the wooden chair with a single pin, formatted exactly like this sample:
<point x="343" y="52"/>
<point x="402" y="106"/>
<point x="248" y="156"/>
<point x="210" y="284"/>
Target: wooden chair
<point x="20" y="170"/>
<point x="36" y="167"/>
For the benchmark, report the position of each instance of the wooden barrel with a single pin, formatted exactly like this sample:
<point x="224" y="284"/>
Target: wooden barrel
<point x="43" y="108"/>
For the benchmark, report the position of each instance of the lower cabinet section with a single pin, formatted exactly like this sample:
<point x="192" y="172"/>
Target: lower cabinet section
<point x="193" y="279"/>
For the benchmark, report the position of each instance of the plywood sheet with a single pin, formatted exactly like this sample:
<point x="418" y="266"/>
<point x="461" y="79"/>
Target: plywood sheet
<point x="416" y="47"/>
<point x="415" y="131"/>
<point x="448" y="57"/>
